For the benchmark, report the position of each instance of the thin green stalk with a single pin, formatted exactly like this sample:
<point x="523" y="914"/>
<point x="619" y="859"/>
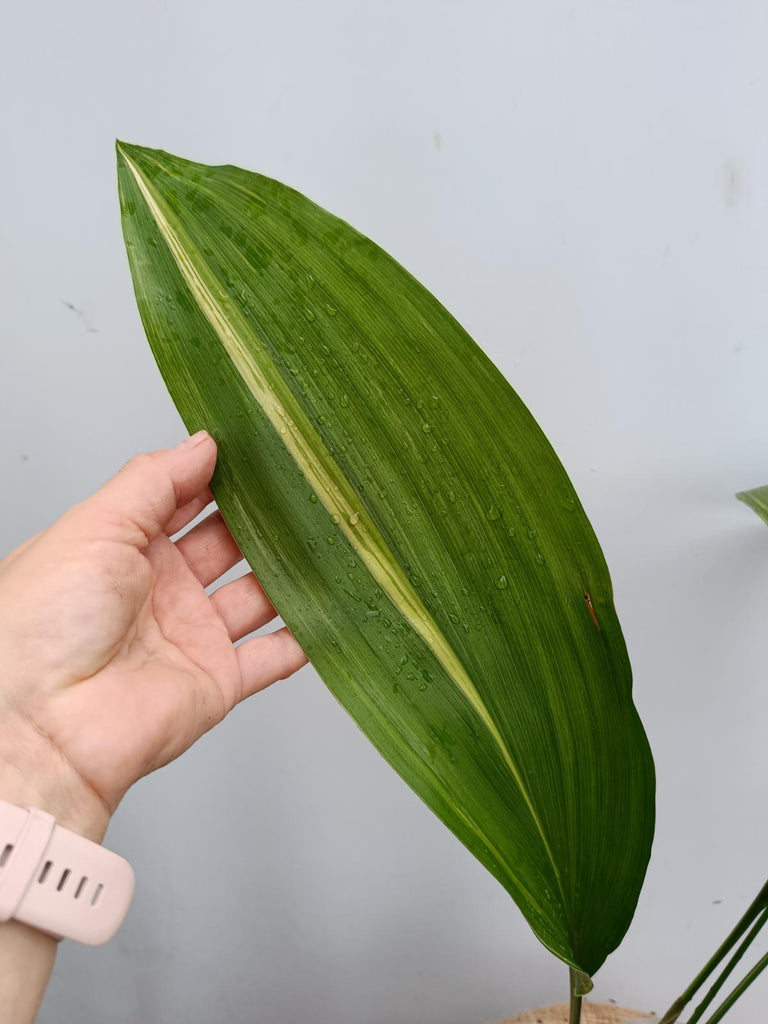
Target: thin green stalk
<point x="740" y="989"/>
<point x="698" y="1013"/>
<point x="575" y="1014"/>
<point x="755" y="908"/>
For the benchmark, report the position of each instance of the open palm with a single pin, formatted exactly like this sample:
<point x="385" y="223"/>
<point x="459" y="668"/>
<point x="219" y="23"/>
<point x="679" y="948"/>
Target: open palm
<point x="122" y="658"/>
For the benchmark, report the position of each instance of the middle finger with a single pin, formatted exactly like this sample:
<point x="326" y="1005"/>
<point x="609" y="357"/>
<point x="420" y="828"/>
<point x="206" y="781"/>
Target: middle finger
<point x="209" y="548"/>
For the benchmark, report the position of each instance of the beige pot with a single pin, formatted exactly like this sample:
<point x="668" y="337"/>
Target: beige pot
<point x="591" y="1013"/>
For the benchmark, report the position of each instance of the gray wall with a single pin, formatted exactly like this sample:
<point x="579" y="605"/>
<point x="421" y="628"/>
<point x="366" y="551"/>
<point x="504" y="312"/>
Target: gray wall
<point x="586" y="186"/>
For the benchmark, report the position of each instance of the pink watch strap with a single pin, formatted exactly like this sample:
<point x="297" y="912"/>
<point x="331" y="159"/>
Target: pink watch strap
<point x="58" y="881"/>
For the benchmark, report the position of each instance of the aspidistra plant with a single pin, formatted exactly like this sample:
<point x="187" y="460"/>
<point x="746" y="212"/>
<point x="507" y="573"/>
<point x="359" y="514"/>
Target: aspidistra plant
<point x="414" y="528"/>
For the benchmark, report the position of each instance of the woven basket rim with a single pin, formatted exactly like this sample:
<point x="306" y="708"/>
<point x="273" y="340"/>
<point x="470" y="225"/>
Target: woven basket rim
<point x="591" y="1013"/>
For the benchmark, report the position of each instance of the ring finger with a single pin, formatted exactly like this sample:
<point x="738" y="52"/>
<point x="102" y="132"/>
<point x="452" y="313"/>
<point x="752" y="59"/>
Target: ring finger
<point x="243" y="606"/>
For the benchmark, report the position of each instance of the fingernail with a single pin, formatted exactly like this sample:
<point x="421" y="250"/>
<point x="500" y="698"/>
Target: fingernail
<point x="194" y="440"/>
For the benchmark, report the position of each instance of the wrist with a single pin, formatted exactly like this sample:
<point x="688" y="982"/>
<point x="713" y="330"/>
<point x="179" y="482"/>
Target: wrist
<point x="33" y="773"/>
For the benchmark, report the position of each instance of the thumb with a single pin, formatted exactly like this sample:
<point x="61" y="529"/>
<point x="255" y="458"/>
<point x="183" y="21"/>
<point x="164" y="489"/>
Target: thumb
<point x="140" y="500"/>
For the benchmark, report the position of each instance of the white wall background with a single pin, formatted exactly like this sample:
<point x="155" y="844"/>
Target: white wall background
<point x="585" y="185"/>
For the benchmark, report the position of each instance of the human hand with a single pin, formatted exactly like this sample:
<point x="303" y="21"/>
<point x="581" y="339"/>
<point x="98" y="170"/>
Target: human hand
<point x="113" y="659"/>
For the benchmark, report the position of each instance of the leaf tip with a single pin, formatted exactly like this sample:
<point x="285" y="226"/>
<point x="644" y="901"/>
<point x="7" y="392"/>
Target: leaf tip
<point x="130" y="151"/>
<point x="757" y="500"/>
<point x="123" y="152"/>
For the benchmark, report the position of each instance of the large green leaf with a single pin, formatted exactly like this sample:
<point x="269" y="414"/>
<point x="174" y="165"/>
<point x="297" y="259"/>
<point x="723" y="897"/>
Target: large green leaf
<point x="412" y="525"/>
